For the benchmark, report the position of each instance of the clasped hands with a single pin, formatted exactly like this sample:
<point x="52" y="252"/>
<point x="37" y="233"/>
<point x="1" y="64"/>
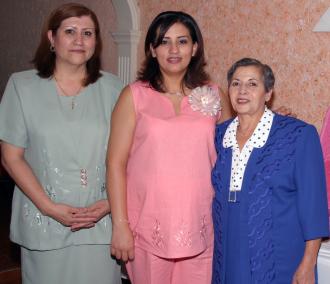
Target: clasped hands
<point x="78" y="218"/>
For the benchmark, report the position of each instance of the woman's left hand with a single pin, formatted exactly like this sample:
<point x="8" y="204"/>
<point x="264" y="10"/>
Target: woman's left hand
<point x="96" y="211"/>
<point x="304" y="275"/>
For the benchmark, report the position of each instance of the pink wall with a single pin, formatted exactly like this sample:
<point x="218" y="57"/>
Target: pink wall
<point x="277" y="32"/>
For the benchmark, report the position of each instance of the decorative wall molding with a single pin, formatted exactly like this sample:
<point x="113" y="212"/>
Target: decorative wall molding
<point x="323" y="25"/>
<point x="127" y="43"/>
<point x="127" y="37"/>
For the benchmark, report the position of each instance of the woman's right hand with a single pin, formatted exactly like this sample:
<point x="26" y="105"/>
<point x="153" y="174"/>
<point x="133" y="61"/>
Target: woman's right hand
<point x="120" y="143"/>
<point x="66" y="215"/>
<point x="122" y="243"/>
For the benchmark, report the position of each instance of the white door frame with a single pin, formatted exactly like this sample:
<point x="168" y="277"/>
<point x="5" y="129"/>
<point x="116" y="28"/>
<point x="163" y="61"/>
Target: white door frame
<point x="127" y="37"/>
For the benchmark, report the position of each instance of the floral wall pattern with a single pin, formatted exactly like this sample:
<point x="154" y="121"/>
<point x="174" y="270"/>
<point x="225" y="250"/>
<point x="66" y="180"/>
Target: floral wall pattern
<point x="277" y="32"/>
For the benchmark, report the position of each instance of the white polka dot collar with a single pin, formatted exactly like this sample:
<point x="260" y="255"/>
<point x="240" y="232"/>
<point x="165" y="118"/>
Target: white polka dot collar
<point x="259" y="136"/>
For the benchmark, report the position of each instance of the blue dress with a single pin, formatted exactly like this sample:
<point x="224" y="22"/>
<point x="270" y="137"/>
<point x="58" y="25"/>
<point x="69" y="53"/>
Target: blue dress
<point x="261" y="237"/>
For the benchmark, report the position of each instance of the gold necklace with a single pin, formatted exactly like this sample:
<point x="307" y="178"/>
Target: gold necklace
<point x="179" y="94"/>
<point x="176" y="94"/>
<point x="73" y="100"/>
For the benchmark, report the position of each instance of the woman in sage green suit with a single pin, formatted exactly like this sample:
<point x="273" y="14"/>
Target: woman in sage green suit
<point x="54" y="127"/>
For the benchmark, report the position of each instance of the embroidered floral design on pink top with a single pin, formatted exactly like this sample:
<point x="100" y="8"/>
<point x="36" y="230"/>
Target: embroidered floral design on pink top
<point x="183" y="236"/>
<point x="206" y="100"/>
<point x="157" y="237"/>
<point x="203" y="229"/>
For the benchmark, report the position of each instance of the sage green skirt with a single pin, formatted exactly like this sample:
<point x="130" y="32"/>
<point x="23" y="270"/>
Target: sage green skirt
<point x="82" y="264"/>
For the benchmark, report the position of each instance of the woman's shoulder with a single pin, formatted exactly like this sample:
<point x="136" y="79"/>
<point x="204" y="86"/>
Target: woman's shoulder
<point x="282" y="121"/>
<point x="111" y="80"/>
<point x="27" y="83"/>
<point x="139" y="85"/>
<point x="221" y="128"/>
<point x="289" y="127"/>
<point x="25" y="76"/>
<point x="220" y="131"/>
<point x="141" y="89"/>
<point x="225" y="124"/>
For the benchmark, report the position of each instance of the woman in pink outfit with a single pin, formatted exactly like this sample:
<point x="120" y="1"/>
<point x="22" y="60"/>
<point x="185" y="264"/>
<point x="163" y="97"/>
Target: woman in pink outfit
<point x="325" y="141"/>
<point x="160" y="155"/>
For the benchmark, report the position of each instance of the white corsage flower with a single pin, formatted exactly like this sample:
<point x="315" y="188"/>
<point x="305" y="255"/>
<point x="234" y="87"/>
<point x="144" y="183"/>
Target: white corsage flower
<point x="206" y="100"/>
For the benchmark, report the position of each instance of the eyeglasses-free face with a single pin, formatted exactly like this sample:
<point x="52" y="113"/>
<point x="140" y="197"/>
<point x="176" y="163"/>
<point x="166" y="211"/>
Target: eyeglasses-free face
<point x="175" y="51"/>
<point x="247" y="91"/>
<point x="74" y="41"/>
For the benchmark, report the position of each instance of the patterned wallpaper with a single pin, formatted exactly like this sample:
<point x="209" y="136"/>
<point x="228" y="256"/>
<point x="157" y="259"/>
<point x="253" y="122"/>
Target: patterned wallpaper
<point x="276" y="32"/>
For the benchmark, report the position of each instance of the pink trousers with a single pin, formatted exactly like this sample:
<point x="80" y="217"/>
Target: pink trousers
<point x="147" y="268"/>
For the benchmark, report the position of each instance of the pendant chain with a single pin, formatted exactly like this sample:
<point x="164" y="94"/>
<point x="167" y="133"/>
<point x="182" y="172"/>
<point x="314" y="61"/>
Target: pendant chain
<point x="83" y="171"/>
<point x="176" y="94"/>
<point x="180" y="94"/>
<point x="73" y="101"/>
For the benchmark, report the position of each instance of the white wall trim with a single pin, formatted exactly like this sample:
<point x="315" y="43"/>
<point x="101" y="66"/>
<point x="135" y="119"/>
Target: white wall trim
<point x="127" y="37"/>
<point x="323" y="25"/>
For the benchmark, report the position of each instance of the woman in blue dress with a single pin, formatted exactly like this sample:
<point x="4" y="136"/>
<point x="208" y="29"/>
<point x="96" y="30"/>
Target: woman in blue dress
<point x="270" y="205"/>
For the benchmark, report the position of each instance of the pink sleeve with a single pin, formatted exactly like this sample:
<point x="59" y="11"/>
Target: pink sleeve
<point x="325" y="141"/>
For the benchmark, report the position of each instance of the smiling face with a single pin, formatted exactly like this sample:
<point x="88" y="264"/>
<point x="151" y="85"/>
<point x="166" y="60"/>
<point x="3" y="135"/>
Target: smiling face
<point x="247" y="91"/>
<point x="74" y="41"/>
<point x="175" y="51"/>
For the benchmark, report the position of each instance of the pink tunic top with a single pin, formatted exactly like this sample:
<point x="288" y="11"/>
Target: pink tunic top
<point x="169" y="188"/>
<point x="325" y="141"/>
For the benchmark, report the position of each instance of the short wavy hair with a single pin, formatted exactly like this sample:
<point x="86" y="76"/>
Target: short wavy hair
<point x="265" y="70"/>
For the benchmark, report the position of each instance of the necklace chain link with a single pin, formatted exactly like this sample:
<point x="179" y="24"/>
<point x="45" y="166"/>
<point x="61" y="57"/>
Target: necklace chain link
<point x="176" y="94"/>
<point x="73" y="101"/>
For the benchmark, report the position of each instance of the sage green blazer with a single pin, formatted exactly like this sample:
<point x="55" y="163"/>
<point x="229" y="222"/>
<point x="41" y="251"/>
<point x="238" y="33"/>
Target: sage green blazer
<point x="66" y="149"/>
